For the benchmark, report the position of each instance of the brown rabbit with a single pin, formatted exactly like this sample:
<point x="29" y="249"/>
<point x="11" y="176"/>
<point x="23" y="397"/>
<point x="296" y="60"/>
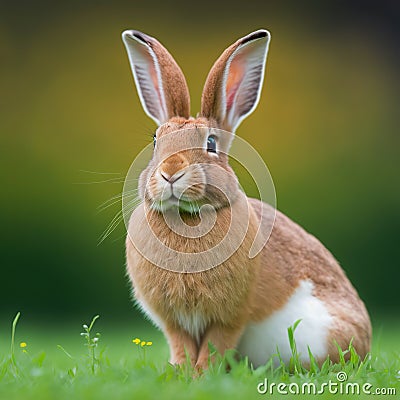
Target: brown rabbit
<point x="201" y="288"/>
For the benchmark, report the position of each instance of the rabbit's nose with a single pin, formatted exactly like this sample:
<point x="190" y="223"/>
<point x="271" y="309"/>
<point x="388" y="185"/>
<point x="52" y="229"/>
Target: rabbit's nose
<point x="173" y="167"/>
<point x="173" y="178"/>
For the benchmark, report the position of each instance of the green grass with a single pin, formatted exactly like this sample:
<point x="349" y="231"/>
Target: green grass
<point x="79" y="363"/>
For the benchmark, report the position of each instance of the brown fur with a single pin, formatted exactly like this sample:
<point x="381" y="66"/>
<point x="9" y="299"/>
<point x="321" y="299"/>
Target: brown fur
<point x="239" y="290"/>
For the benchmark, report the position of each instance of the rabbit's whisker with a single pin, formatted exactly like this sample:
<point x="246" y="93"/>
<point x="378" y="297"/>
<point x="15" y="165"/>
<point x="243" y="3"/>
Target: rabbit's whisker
<point x="119" y="216"/>
<point x="100" y="173"/>
<point x="116" y="199"/>
<point x="111" y="180"/>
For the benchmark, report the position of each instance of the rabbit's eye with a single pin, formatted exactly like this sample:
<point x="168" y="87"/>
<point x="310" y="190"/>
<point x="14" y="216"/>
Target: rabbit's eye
<point x="211" y="144"/>
<point x="154" y="140"/>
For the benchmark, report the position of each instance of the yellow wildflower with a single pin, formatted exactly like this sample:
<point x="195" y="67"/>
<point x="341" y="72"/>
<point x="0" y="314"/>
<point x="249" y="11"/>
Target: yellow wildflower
<point x="136" y="340"/>
<point x="143" y="344"/>
<point x="149" y="343"/>
<point x="22" y="345"/>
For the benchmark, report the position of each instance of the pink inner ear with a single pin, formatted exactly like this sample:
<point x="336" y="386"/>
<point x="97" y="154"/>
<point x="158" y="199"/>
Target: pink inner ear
<point x="154" y="78"/>
<point x="235" y="77"/>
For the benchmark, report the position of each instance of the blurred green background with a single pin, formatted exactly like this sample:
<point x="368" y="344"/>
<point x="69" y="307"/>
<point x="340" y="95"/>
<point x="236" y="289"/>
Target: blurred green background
<point x="326" y="125"/>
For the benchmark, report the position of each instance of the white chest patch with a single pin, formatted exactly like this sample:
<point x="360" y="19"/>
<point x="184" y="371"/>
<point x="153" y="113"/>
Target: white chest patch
<point x="152" y="316"/>
<point x="260" y="340"/>
<point x="193" y="323"/>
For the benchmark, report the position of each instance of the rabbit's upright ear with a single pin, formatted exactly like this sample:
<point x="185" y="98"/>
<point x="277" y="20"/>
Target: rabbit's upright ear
<point x="160" y="82"/>
<point x="233" y="86"/>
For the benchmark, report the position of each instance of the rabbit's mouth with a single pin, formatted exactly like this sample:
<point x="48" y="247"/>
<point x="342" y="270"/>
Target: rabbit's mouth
<point x="185" y="205"/>
<point x="184" y="190"/>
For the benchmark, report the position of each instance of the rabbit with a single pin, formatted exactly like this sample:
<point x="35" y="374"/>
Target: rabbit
<point x="243" y="303"/>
